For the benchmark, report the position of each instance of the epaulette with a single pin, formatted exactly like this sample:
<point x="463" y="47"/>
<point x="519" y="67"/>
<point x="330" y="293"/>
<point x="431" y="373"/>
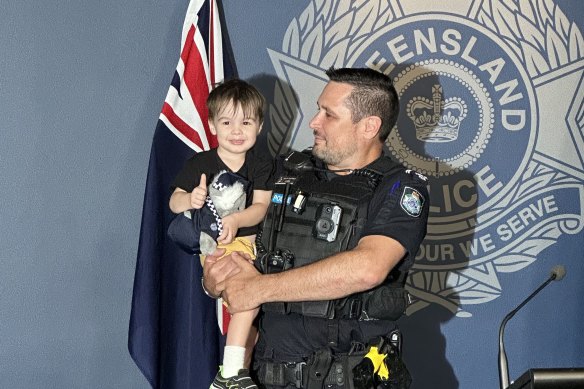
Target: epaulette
<point x="417" y="175"/>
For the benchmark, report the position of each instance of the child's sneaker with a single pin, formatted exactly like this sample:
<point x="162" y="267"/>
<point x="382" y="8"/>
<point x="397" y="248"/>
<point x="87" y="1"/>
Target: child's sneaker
<point x="241" y="381"/>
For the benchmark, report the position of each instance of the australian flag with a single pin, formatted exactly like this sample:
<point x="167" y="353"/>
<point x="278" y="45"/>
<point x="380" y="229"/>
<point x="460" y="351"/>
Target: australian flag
<point x="173" y="336"/>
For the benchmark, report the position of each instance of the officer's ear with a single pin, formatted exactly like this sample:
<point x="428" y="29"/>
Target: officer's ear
<point x="371" y="126"/>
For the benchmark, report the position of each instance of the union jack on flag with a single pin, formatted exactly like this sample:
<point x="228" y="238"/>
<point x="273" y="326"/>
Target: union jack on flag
<point x="200" y="67"/>
<point x="173" y="335"/>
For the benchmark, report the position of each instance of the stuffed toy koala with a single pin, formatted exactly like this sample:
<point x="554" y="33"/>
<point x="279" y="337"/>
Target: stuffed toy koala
<point x="196" y="230"/>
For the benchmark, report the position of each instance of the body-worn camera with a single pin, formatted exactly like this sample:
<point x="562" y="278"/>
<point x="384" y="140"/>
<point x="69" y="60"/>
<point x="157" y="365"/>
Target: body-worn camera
<point x="327" y="221"/>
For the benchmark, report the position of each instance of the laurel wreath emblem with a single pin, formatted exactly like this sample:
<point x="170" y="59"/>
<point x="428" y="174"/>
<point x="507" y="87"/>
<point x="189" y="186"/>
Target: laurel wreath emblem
<point x="326" y="34"/>
<point x="329" y="33"/>
<point x="538" y="31"/>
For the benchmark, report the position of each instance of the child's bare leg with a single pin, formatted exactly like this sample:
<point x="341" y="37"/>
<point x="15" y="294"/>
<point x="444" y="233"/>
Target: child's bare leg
<point x="251" y="342"/>
<point x="240" y="335"/>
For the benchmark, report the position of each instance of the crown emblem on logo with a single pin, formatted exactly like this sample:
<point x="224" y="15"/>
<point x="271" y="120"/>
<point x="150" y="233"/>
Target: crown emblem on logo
<point x="436" y="120"/>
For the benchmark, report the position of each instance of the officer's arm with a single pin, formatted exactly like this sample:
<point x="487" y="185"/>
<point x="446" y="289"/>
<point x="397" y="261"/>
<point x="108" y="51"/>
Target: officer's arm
<point x="356" y="270"/>
<point x="342" y="274"/>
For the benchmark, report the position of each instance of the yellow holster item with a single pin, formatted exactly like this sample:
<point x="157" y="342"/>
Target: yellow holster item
<point x="377" y="359"/>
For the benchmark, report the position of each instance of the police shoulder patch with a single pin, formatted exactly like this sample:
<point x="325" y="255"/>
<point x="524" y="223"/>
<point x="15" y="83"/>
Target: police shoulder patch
<point x="412" y="201"/>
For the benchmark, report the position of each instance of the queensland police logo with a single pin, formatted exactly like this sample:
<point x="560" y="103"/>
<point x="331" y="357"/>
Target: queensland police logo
<point x="482" y="85"/>
<point x="412" y="201"/>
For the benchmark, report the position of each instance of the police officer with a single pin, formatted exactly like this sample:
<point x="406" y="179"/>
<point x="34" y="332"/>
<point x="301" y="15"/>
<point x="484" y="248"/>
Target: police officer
<point x="356" y="112"/>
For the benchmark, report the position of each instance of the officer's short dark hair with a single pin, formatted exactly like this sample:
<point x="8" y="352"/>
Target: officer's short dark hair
<point x="237" y="92"/>
<point x="373" y="95"/>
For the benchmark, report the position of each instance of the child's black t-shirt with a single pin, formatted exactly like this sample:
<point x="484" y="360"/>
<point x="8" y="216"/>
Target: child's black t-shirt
<point x="257" y="169"/>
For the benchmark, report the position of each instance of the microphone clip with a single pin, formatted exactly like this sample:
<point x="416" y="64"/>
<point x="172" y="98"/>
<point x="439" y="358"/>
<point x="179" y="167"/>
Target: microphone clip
<point x="298" y="162"/>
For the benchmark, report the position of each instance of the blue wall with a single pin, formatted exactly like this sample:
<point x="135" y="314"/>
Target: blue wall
<point x="81" y="87"/>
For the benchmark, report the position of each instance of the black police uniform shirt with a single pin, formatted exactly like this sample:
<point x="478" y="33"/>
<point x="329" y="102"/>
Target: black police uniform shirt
<point x="400" y="206"/>
<point x="257" y="170"/>
<point x="399" y="210"/>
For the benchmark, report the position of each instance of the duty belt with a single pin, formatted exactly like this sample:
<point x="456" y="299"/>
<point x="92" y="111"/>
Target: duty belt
<point x="282" y="374"/>
<point x="323" y="369"/>
<point x="320" y="371"/>
<point x="297" y="373"/>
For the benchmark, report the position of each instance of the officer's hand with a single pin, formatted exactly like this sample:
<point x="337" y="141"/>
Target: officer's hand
<point x="247" y="257"/>
<point x="217" y="269"/>
<point x="199" y="194"/>
<point x="238" y="289"/>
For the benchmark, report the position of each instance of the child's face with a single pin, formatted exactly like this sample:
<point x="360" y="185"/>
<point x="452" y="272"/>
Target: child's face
<point x="235" y="133"/>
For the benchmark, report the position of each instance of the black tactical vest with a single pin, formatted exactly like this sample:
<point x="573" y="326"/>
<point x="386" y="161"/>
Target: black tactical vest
<point x="312" y="217"/>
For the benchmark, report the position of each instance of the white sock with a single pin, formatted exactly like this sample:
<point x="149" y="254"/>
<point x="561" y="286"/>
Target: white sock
<point x="233" y="357"/>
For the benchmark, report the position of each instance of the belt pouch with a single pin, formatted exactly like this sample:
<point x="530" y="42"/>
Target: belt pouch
<point x="386" y="302"/>
<point x="319" y="368"/>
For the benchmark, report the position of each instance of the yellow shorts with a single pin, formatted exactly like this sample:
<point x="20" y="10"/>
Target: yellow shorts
<point x="238" y="244"/>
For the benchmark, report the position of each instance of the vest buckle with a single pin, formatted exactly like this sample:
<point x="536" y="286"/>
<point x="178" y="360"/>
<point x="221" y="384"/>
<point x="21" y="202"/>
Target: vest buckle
<point x="355" y="309"/>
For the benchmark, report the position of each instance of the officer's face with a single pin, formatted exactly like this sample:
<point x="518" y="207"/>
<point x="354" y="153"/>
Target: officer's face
<point x="335" y="135"/>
